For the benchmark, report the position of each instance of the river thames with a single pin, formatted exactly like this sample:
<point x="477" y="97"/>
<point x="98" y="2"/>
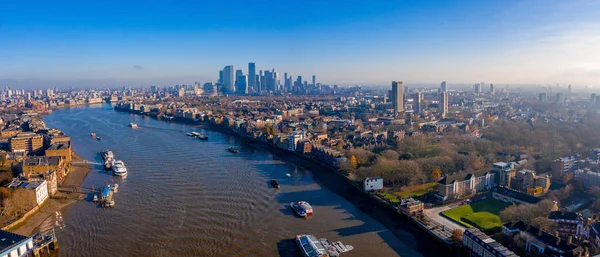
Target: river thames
<point x="186" y="197"/>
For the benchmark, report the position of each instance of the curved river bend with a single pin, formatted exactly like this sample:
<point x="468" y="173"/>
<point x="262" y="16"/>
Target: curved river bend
<point x="186" y="197"/>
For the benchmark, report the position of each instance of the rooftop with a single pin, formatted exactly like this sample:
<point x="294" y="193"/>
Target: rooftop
<point x="60" y="146"/>
<point x="457" y="177"/>
<point x="9" y="240"/>
<point x="516" y="195"/>
<point x="42" y="161"/>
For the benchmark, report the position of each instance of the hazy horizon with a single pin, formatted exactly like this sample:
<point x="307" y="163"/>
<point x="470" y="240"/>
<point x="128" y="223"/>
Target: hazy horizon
<point x="89" y="44"/>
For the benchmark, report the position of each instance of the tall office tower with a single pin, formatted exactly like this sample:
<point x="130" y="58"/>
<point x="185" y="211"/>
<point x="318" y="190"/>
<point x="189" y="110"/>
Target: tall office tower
<point x="241" y="84"/>
<point x="314" y="80"/>
<point x="275" y="82"/>
<point x="542" y="97"/>
<point x="238" y="73"/>
<point x="418" y="106"/>
<point x="228" y="79"/>
<point x="443" y="104"/>
<point x="593" y="100"/>
<point x="286" y="85"/>
<point x="443" y="87"/>
<point x="492" y="89"/>
<point x="560" y="99"/>
<point x="220" y="77"/>
<point x="397" y="96"/>
<point x="477" y="88"/>
<point x="252" y="75"/>
<point x="263" y="82"/>
<point x="154" y="89"/>
<point x="257" y="87"/>
<point x="570" y="89"/>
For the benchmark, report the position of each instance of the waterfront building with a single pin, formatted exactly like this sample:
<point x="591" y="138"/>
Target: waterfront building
<point x="26" y="142"/>
<point x="12" y="245"/>
<point x="293" y="138"/>
<point x="411" y="207"/>
<point x="62" y="149"/>
<point x="541" y="242"/>
<point x="481" y="245"/>
<point x="373" y="184"/>
<point x="39" y="166"/>
<point x="458" y="185"/>
<point x="38" y="189"/>
<point x="397" y="96"/>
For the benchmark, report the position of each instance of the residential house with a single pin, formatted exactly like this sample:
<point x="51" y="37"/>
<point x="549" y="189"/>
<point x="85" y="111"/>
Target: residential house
<point x="540" y="242"/>
<point x="481" y="245"/>
<point x="569" y="224"/>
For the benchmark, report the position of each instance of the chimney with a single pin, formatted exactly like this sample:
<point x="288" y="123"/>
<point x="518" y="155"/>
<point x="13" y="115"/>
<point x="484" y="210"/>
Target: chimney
<point x="570" y="240"/>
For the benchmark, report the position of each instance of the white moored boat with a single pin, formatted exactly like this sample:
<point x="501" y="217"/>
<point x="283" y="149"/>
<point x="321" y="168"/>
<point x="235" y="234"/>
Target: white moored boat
<point x="119" y="168"/>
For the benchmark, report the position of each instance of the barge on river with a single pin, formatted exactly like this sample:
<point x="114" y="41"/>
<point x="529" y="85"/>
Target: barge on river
<point x="313" y="247"/>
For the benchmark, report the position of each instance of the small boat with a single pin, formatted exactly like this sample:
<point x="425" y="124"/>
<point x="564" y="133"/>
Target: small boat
<point x="275" y="183"/>
<point x="93" y="134"/>
<point x="232" y="150"/>
<point x="133" y="125"/>
<point x="107" y="155"/>
<point x="302" y="208"/>
<point x="298" y="209"/>
<point x="99" y="138"/>
<point x="95" y="198"/>
<point x="203" y="137"/>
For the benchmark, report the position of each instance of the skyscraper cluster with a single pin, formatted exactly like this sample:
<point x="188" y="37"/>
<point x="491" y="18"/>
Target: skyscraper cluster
<point x="265" y="82"/>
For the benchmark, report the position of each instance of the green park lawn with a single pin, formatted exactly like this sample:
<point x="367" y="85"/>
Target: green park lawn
<point x="482" y="215"/>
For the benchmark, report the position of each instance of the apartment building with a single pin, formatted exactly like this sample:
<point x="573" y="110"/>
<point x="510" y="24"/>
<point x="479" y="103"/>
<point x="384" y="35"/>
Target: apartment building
<point x="26" y="142"/>
<point x="454" y="186"/>
<point x="481" y="245"/>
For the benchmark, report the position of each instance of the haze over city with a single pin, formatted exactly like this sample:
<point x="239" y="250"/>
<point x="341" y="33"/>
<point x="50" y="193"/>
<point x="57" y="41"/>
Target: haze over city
<point x="115" y="43"/>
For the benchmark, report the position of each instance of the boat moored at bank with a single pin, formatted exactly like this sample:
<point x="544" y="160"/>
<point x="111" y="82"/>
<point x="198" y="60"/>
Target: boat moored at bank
<point x="313" y="247"/>
<point x="232" y="150"/>
<point x="119" y="169"/>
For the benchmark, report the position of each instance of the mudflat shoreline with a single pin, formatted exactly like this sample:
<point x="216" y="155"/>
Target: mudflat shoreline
<point x="56" y="203"/>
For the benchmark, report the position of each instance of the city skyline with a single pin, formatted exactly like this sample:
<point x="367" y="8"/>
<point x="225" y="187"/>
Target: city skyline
<point x="166" y="43"/>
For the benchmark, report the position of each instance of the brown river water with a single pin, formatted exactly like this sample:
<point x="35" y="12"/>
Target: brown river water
<point x="186" y="197"/>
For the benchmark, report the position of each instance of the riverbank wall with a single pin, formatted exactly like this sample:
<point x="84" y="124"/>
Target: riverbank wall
<point x="384" y="212"/>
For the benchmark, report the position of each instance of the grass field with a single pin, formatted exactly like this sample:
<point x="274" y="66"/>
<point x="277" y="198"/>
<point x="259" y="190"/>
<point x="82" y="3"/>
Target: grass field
<point x="390" y="197"/>
<point x="413" y="191"/>
<point x="482" y="214"/>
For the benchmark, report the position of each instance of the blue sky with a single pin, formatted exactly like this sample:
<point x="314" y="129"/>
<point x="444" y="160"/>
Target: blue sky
<point x="71" y="43"/>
